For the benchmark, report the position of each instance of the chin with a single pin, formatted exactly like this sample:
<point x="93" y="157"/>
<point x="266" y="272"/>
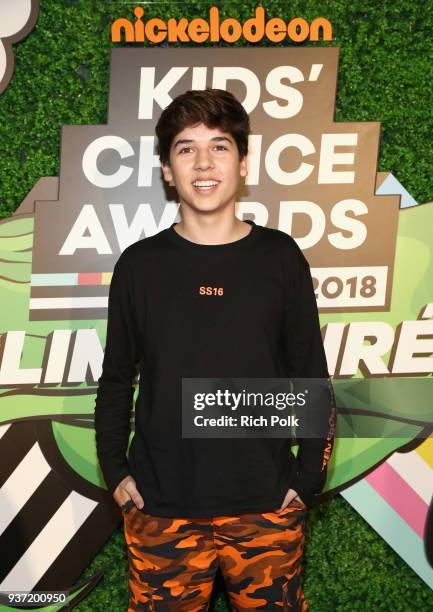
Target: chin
<point x="203" y="208"/>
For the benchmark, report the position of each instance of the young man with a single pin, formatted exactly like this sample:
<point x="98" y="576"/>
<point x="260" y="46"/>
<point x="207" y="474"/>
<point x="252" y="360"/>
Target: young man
<point x="191" y="505"/>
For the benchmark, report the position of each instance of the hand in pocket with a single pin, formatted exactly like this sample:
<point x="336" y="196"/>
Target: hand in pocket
<point x="126" y="492"/>
<point x="291" y="496"/>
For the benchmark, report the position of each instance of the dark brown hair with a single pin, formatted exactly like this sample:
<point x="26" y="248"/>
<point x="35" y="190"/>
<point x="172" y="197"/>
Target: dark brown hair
<point x="215" y="108"/>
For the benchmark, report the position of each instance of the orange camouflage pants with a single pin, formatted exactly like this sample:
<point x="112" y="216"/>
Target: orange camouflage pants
<point x="173" y="561"/>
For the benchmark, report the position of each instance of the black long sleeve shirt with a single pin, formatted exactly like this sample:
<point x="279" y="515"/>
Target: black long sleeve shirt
<point x="265" y="324"/>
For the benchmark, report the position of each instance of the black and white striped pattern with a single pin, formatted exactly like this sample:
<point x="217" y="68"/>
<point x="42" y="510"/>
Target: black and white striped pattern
<point x="52" y="521"/>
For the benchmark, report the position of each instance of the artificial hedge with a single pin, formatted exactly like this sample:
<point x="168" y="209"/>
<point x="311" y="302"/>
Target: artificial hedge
<point x="385" y="74"/>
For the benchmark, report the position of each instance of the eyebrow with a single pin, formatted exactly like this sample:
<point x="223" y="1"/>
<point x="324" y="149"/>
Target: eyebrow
<point x="214" y="139"/>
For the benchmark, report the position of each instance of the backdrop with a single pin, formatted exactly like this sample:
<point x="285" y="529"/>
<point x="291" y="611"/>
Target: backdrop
<point x="340" y="152"/>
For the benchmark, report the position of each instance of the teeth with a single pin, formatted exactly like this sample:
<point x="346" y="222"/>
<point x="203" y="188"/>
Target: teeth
<point x="205" y="183"/>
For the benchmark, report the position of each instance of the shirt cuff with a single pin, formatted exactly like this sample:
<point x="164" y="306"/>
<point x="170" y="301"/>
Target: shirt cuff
<point x="307" y="486"/>
<point x="113" y="478"/>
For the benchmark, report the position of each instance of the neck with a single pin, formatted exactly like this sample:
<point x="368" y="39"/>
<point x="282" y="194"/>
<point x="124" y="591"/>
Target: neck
<point x="211" y="228"/>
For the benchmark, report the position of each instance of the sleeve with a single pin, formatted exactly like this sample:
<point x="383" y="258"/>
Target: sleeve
<point x="115" y="391"/>
<point x="305" y="358"/>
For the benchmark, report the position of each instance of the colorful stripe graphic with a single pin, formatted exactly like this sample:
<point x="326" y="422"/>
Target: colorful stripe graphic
<point x="69" y="295"/>
<point x="400" y="496"/>
<point x="394" y="499"/>
<point x="71" y="278"/>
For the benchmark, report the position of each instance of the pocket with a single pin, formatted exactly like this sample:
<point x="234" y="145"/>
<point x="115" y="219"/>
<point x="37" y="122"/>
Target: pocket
<point x="298" y="504"/>
<point x="295" y="505"/>
<point x="127" y="507"/>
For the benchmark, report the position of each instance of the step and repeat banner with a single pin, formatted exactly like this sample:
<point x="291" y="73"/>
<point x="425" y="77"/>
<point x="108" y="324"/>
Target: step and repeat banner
<point x="368" y="242"/>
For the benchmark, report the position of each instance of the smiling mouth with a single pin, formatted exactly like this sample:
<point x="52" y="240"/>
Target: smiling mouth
<point x="205" y="186"/>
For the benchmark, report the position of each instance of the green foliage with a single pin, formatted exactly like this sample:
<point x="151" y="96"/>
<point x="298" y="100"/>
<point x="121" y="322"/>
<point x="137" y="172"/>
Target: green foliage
<point x="61" y="77"/>
<point x="385" y="74"/>
<point x="349" y="567"/>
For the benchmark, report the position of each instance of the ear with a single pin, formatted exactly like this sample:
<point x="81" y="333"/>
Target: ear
<point x="166" y="170"/>
<point x="244" y="166"/>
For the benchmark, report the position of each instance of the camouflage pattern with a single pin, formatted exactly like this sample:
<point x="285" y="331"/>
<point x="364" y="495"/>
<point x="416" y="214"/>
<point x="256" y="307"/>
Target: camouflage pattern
<point x="173" y="561"/>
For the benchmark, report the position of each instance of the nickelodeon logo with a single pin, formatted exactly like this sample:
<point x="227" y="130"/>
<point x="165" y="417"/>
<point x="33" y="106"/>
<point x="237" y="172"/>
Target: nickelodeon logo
<point x="230" y="30"/>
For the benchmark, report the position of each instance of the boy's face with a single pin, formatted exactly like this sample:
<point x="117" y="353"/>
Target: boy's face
<point x="205" y="167"/>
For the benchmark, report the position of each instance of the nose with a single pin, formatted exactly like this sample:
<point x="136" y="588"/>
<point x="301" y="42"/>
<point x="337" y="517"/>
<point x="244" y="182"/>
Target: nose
<point x="203" y="160"/>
